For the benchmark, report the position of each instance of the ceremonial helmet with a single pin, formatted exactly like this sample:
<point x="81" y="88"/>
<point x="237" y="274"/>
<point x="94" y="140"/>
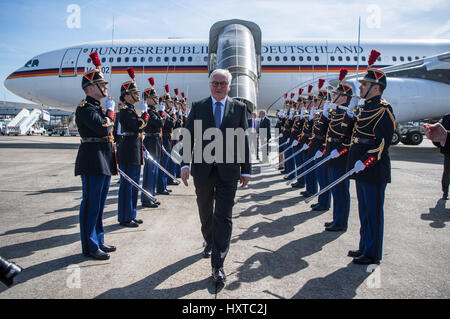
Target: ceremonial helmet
<point x="184" y="99"/>
<point x="300" y="97"/>
<point x="343" y="88"/>
<point x="175" y="97"/>
<point x="323" y="94"/>
<point x="310" y="95"/>
<point x="150" y="92"/>
<point x="166" y="97"/>
<point x="373" y="75"/>
<point x="129" y="86"/>
<point x="94" y="76"/>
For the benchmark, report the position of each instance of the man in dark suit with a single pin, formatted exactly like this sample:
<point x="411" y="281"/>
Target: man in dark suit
<point x="264" y="129"/>
<point x="438" y="133"/>
<point x="215" y="178"/>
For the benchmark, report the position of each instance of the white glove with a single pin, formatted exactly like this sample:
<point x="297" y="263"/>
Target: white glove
<point x="180" y="113"/>
<point x="281" y="135"/>
<point x="294" y="143"/>
<point x="146" y="154"/>
<point x="359" y="166"/>
<point x="290" y="116"/>
<point x="110" y="104"/>
<point x="161" y="107"/>
<point x="319" y="154"/>
<point x="352" y="105"/>
<point x="334" y="154"/>
<point x="288" y="140"/>
<point x="173" y="111"/>
<point x="305" y="147"/>
<point x="325" y="109"/>
<point x="291" y="112"/>
<point x="311" y="114"/>
<point x="301" y="113"/>
<point x="143" y="107"/>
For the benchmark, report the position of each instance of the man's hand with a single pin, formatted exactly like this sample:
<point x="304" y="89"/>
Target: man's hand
<point x="244" y="180"/>
<point x="436" y="132"/>
<point x="185" y="175"/>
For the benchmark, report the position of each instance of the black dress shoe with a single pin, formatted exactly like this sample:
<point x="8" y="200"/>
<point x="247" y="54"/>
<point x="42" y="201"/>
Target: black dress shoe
<point x="164" y="192"/>
<point x="298" y="185"/>
<point x="333" y="227"/>
<point x="320" y="208"/>
<point x="354" y="253"/>
<point x="327" y="224"/>
<point x="150" y="205"/>
<point x="364" y="260"/>
<point x="99" y="254"/>
<point x="314" y="205"/>
<point x="445" y="196"/>
<point x="138" y="221"/>
<point x="207" y="251"/>
<point x="107" y="248"/>
<point x="130" y="224"/>
<point x="280" y="168"/>
<point x="219" y="275"/>
<point x="305" y="193"/>
<point x="173" y="183"/>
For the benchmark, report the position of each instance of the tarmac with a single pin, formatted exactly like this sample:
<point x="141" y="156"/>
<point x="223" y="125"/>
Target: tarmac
<point x="279" y="247"/>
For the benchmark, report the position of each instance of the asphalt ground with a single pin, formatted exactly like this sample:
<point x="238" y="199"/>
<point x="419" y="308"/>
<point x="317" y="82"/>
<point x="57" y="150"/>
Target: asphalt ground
<point x="279" y="248"/>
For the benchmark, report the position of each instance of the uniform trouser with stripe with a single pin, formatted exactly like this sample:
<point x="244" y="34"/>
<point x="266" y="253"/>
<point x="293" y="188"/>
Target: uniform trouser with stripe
<point x="298" y="160"/>
<point x="341" y="197"/>
<point x="162" y="177"/>
<point x="446" y="173"/>
<point x="310" y="178"/>
<point x="150" y="179"/>
<point x="128" y="194"/>
<point x="323" y="180"/>
<point x="95" y="190"/>
<point x="371" y="215"/>
<point x="288" y="165"/>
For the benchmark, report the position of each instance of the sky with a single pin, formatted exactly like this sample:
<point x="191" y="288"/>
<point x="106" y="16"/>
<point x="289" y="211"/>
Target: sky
<point x="28" y="28"/>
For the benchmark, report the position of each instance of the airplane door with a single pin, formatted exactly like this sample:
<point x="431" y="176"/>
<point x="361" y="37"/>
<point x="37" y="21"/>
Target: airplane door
<point x="69" y="63"/>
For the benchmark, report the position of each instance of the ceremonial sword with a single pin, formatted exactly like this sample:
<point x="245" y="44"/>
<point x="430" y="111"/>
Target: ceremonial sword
<point x="301" y="166"/>
<point x="292" y="155"/>
<point x="309" y="169"/>
<point x="132" y="182"/>
<point x="148" y="156"/>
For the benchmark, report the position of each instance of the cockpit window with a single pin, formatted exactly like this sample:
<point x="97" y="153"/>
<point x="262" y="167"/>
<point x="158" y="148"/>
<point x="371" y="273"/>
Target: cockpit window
<point x="28" y="64"/>
<point x="35" y="63"/>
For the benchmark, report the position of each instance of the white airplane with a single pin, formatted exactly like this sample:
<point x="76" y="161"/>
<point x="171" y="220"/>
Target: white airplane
<point x="263" y="71"/>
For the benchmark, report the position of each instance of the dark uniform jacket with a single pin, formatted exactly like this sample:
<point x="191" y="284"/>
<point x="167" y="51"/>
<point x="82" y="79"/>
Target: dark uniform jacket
<point x="372" y="136"/>
<point x="130" y="151"/>
<point x="153" y="133"/>
<point x="319" y="133"/>
<point x="95" y="157"/>
<point x="297" y="128"/>
<point x="167" y="131"/>
<point x="339" y="136"/>
<point x="306" y="134"/>
<point x="446" y="124"/>
<point x="265" y="124"/>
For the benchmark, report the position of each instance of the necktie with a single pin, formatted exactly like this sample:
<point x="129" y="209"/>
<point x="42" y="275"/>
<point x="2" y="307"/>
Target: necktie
<point x="217" y="114"/>
<point x="254" y="124"/>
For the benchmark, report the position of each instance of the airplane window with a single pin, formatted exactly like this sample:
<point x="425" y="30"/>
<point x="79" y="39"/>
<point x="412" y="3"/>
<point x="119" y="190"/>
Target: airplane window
<point x="292" y="58"/>
<point x="142" y="59"/>
<point x="103" y="60"/>
<point x="158" y="59"/>
<point x="150" y="59"/>
<point x="402" y="59"/>
<point x="205" y="59"/>
<point x="409" y="58"/>
<point x="332" y="58"/>
<point x="277" y="58"/>
<point x="347" y="58"/>
<point x="27" y="65"/>
<point x="300" y="58"/>
<point x="174" y="59"/>
<point x="127" y="59"/>
<point x="308" y="58"/>
<point x="35" y="63"/>
<point x="285" y="58"/>
<point x="340" y="58"/>
<point x="379" y="59"/>
<point x="134" y="59"/>
<point x="316" y="58"/>
<point x="190" y="59"/>
<point x="119" y="59"/>
<point x="394" y="58"/>
<point x="355" y="58"/>
<point x="417" y="58"/>
<point x="166" y="59"/>
<point x="88" y="61"/>
<point x="182" y="59"/>
<point x="111" y="60"/>
<point x="269" y="58"/>
<point x="262" y="58"/>
<point x="363" y="58"/>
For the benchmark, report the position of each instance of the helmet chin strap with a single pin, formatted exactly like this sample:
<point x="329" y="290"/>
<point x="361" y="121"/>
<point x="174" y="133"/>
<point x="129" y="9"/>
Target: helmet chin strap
<point x="368" y="91"/>
<point x="101" y="92"/>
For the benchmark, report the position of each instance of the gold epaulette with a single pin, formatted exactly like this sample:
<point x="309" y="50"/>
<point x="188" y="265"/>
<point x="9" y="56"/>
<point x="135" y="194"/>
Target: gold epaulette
<point x="108" y="122"/>
<point x="82" y="103"/>
<point x="144" y="124"/>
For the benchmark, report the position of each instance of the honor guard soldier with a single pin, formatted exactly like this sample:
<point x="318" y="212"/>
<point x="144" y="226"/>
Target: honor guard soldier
<point x="369" y="157"/>
<point x="305" y="141"/>
<point x="152" y="144"/>
<point x="174" y="168"/>
<point x="96" y="160"/>
<point x="299" y="121"/>
<point x="282" y="139"/>
<point x="338" y="144"/>
<point x="317" y="147"/>
<point x="130" y="152"/>
<point x="167" y="131"/>
<point x="288" y="165"/>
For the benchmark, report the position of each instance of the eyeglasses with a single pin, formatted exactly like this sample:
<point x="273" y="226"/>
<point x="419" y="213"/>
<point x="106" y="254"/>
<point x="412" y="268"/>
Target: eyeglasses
<point x="216" y="84"/>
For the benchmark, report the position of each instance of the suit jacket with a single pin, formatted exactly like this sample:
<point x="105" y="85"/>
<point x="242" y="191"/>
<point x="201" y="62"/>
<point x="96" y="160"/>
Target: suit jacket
<point x="265" y="123"/>
<point x="234" y="116"/>
<point x="445" y="123"/>
<point x="250" y="124"/>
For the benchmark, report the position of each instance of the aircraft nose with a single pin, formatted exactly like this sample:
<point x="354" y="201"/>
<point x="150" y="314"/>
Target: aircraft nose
<point x="15" y="84"/>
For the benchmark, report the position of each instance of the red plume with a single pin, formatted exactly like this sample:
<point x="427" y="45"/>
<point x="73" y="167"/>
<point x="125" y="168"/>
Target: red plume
<point x="300" y="91"/>
<point x="321" y="83"/>
<point x="176" y="91"/>
<point x="182" y="94"/>
<point x="342" y="74"/>
<point x="310" y="87"/>
<point x="285" y="96"/>
<point x="152" y="81"/>
<point x="167" y="88"/>
<point x="95" y="59"/>
<point x="292" y="95"/>
<point x="374" y="54"/>
<point x="131" y="72"/>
